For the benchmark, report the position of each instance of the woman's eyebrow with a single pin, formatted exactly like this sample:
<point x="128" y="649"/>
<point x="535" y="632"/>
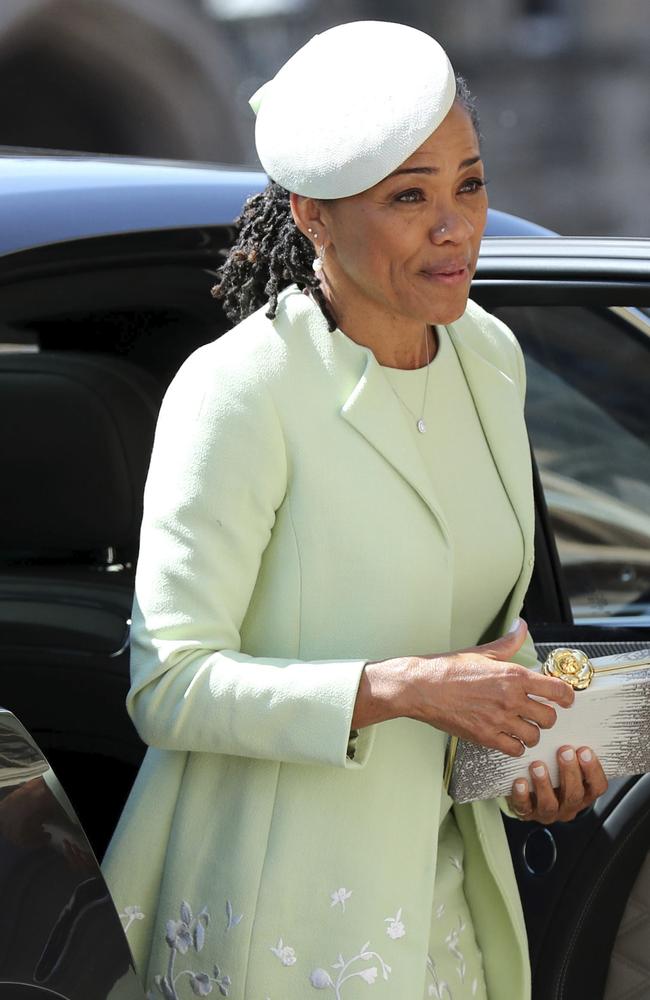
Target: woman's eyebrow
<point x="434" y="170"/>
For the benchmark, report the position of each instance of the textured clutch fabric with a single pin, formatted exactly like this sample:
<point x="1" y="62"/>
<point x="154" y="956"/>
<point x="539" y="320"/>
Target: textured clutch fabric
<point x="610" y="714"/>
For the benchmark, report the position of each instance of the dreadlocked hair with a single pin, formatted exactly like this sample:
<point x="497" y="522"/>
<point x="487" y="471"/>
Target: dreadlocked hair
<point x="268" y="254"/>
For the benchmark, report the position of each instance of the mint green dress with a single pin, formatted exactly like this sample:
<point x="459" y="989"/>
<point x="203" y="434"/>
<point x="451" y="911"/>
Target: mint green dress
<point x="489" y="552"/>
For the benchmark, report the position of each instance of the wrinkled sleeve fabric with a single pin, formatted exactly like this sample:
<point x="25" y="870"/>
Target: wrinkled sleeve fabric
<point x="217" y="477"/>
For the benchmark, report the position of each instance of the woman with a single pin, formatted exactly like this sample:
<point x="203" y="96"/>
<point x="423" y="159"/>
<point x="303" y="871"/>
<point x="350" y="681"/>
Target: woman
<point x="339" y="494"/>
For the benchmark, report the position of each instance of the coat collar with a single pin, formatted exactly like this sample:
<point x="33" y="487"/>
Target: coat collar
<point x="374" y="411"/>
<point x="369" y="405"/>
<point x="365" y="398"/>
<point x="499" y="406"/>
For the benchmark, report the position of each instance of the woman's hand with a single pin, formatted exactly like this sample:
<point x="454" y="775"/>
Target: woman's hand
<point x="582" y="780"/>
<point x="477" y="694"/>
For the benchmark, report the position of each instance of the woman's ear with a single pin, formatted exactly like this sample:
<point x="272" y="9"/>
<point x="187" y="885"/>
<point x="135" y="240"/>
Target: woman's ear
<point x="307" y="217"/>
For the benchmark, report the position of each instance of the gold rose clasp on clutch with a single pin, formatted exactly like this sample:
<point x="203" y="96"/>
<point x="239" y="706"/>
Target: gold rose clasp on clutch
<point x="570" y="665"/>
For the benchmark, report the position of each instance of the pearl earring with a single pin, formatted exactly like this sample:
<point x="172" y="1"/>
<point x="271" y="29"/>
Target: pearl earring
<point x="319" y="262"/>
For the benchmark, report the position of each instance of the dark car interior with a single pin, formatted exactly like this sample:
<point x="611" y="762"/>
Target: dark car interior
<point x="78" y="433"/>
<point x="83" y="369"/>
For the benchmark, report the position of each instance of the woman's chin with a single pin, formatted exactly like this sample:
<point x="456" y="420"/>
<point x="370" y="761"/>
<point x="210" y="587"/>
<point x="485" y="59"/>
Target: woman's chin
<point x="441" y="314"/>
<point x="443" y="304"/>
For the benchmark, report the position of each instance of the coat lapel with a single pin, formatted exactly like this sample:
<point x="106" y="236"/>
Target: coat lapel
<point x="365" y="397"/>
<point x="373" y="409"/>
<point x="498" y="405"/>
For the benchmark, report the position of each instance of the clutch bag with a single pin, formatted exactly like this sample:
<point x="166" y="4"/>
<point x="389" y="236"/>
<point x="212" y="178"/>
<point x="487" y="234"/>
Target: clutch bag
<point x="610" y="714"/>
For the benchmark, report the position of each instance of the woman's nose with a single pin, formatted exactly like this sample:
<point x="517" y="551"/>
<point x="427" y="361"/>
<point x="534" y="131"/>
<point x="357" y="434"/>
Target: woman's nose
<point x="451" y="228"/>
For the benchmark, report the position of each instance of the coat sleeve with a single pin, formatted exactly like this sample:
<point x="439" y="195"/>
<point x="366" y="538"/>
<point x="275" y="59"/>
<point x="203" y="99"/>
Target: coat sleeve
<point x="218" y="474"/>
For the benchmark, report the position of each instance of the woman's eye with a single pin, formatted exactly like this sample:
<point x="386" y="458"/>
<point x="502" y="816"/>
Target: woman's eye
<point x="472" y="185"/>
<point x="411" y="196"/>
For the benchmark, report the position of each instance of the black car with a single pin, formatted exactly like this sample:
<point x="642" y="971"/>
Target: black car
<point x="106" y="267"/>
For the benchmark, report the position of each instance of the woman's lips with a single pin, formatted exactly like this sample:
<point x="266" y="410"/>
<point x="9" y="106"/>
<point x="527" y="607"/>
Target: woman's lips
<point x="454" y="275"/>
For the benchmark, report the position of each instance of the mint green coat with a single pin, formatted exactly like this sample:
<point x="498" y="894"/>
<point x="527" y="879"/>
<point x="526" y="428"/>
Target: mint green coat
<point x="289" y="535"/>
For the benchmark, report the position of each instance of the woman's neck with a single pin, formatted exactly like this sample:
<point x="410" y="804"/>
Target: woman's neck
<point x="395" y="341"/>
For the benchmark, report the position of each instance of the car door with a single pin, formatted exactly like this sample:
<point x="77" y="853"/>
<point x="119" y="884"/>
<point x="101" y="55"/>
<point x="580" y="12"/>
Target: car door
<point x="579" y="310"/>
<point x="61" y="934"/>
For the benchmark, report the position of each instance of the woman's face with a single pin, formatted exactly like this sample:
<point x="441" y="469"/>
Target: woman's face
<point x="407" y="247"/>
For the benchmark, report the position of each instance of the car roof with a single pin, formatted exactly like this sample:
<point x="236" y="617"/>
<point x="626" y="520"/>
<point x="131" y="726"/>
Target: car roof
<point x="588" y="257"/>
<point x="49" y="197"/>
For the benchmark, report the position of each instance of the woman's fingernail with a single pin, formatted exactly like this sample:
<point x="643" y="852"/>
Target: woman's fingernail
<point x="586" y="755"/>
<point x="539" y="771"/>
<point x="514" y="625"/>
<point x="567" y="754"/>
<point x="521" y="787"/>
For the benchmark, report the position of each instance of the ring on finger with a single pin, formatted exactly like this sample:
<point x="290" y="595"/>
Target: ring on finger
<point x="519" y="740"/>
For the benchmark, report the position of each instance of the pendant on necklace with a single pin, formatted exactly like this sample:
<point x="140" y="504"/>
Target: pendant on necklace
<point x="421" y="426"/>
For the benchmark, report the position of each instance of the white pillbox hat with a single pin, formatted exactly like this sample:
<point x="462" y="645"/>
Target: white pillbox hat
<point x="350" y="106"/>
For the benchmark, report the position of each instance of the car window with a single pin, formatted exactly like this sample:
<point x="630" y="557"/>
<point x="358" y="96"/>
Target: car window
<point x="588" y="414"/>
<point x="148" y="304"/>
<point x="142" y="301"/>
